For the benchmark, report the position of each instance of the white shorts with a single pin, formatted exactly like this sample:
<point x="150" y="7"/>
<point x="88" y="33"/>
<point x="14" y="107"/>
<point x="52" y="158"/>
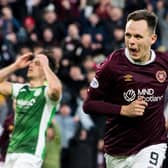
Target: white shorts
<point x="1" y="164"/>
<point x="149" y="157"/>
<point x="22" y="160"/>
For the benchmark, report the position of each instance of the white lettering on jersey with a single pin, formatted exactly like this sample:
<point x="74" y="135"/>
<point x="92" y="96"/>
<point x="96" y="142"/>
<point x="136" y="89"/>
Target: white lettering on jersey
<point x="25" y="103"/>
<point x="148" y="93"/>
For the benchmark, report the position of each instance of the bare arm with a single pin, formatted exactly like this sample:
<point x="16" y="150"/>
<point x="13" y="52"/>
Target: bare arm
<point x="54" y="84"/>
<point x="21" y="62"/>
<point x="166" y="124"/>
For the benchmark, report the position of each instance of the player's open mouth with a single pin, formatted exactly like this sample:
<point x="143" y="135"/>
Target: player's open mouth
<point x="133" y="51"/>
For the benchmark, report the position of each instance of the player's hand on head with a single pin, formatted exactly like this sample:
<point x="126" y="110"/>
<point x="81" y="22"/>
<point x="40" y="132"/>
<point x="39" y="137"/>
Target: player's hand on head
<point x="135" y="108"/>
<point x="42" y="59"/>
<point x="24" y="60"/>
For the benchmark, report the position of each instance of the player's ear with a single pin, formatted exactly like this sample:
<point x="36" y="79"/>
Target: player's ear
<point x="153" y="38"/>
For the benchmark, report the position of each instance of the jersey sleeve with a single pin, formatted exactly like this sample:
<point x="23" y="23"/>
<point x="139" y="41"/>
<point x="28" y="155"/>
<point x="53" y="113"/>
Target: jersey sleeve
<point x="98" y="90"/>
<point x="166" y="105"/>
<point x="15" y="89"/>
<point x="52" y="102"/>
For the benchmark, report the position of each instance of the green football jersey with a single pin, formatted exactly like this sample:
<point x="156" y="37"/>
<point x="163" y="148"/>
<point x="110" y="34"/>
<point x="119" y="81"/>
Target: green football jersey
<point x="33" y="113"/>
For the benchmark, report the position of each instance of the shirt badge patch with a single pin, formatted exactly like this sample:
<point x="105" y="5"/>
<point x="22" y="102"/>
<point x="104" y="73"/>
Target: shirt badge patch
<point x="128" y="77"/>
<point x="94" y="83"/>
<point x="161" y="76"/>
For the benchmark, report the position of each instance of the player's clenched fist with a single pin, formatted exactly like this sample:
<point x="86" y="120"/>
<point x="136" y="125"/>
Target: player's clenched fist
<point x="135" y="108"/>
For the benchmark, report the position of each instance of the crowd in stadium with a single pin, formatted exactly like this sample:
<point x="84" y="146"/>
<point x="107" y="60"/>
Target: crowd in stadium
<point x="81" y="34"/>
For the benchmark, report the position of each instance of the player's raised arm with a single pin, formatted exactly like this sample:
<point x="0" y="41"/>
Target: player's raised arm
<point x="54" y="84"/>
<point x="21" y="62"/>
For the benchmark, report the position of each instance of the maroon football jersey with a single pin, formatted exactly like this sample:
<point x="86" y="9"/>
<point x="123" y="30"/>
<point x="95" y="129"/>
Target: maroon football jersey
<point x="119" y="81"/>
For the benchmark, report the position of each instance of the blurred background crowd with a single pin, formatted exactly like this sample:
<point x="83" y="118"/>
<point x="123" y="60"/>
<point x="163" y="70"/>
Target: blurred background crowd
<point x="81" y="34"/>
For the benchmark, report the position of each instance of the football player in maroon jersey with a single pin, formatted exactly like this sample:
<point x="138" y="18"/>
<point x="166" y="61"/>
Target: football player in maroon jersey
<point x="129" y="89"/>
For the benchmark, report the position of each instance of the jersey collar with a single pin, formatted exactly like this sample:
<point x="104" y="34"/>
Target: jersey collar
<point x="153" y="56"/>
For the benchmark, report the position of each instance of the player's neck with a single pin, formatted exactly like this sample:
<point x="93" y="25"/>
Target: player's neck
<point x="146" y="57"/>
<point x="36" y="83"/>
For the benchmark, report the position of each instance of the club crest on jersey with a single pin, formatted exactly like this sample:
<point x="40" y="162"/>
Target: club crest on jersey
<point x="94" y="83"/>
<point x="161" y="76"/>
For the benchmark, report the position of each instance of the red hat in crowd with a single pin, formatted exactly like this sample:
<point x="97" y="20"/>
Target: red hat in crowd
<point x="29" y="21"/>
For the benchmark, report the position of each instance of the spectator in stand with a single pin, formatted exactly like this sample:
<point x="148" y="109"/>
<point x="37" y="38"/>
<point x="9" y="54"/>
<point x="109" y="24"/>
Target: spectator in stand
<point x="74" y="82"/>
<point x="90" y="75"/>
<point x="95" y="27"/>
<point x="116" y="18"/>
<point x="25" y="8"/>
<point x="53" y="147"/>
<point x="118" y="3"/>
<point x="102" y="8"/>
<point x="85" y="119"/>
<point x="92" y="128"/>
<point x="4" y="3"/>
<point x="71" y="43"/>
<point x="37" y="48"/>
<point x="163" y="22"/>
<point x="32" y="34"/>
<point x="9" y="25"/>
<point x="84" y="49"/>
<point x="68" y="125"/>
<point x="69" y="11"/>
<point x="89" y="64"/>
<point x="3" y="109"/>
<point x="117" y="42"/>
<point x="87" y="138"/>
<point x="50" y="19"/>
<point x="48" y="38"/>
<point x="57" y="54"/>
<point x="7" y="54"/>
<point x="131" y="5"/>
<point x="8" y="127"/>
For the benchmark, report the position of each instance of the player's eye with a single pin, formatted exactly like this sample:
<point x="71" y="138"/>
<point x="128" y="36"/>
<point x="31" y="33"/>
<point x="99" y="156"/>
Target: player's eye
<point x="128" y="35"/>
<point x="37" y="62"/>
<point x="138" y="37"/>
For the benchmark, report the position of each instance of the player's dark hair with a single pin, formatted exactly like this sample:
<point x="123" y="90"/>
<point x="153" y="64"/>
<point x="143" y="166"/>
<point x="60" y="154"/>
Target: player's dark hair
<point x="50" y="57"/>
<point x="144" y="14"/>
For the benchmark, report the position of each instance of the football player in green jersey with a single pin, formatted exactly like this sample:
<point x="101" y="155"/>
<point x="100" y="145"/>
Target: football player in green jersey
<point x="36" y="103"/>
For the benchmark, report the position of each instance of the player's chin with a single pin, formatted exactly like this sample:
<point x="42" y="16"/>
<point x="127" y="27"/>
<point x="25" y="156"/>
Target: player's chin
<point x="135" y="57"/>
<point x="29" y="74"/>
